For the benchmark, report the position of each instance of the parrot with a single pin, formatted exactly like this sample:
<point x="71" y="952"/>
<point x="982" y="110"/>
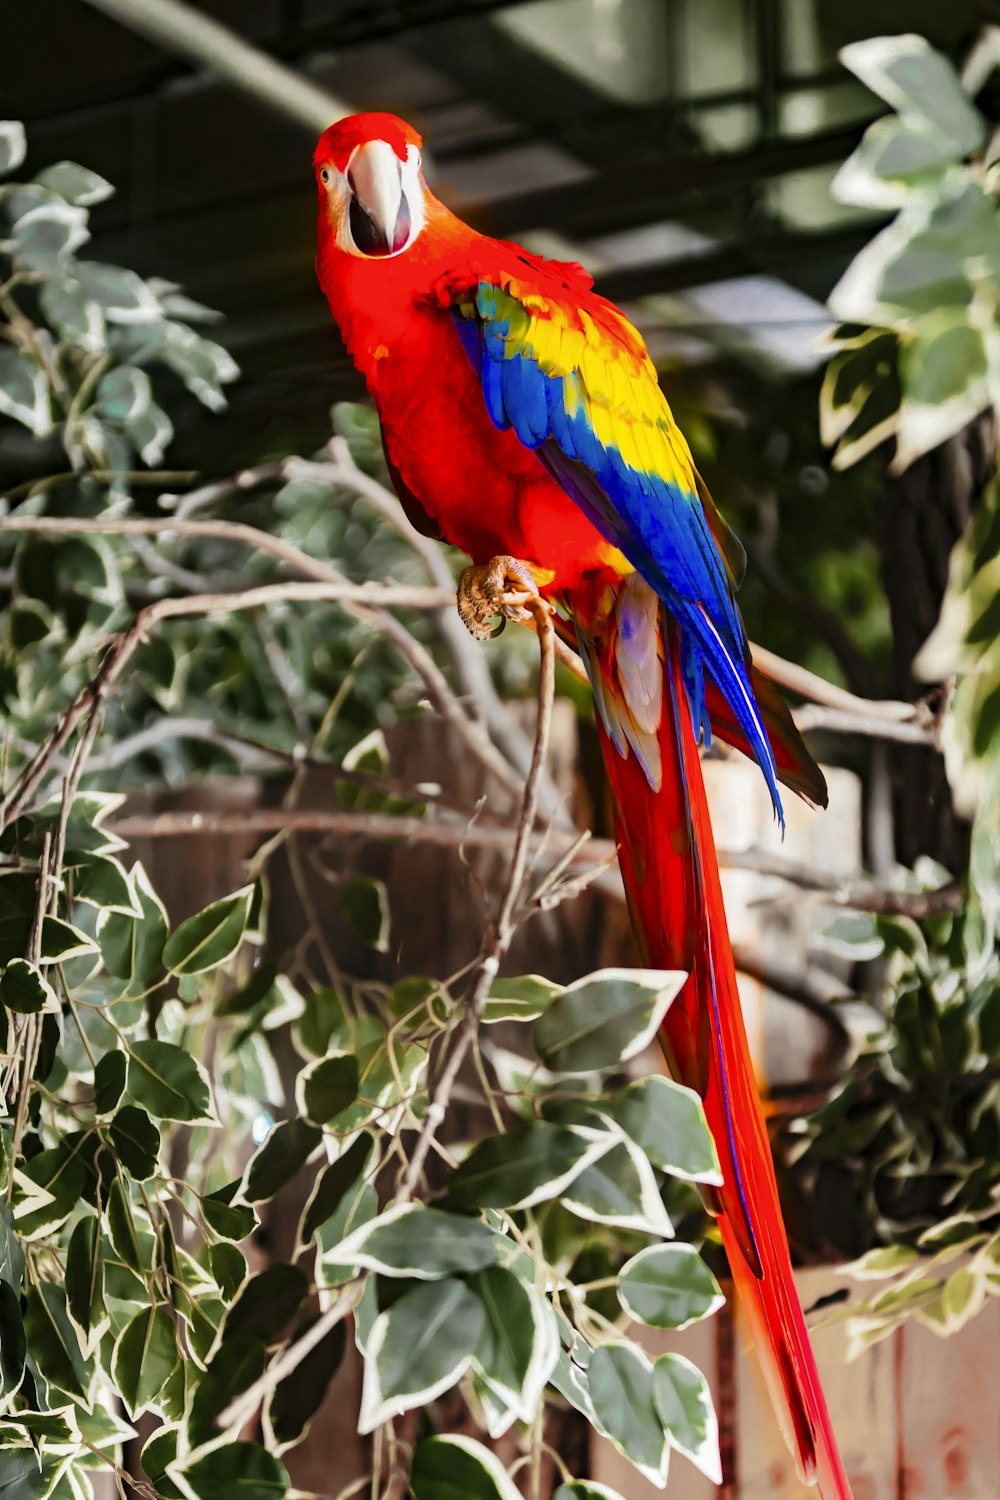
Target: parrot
<point x="523" y="422"/>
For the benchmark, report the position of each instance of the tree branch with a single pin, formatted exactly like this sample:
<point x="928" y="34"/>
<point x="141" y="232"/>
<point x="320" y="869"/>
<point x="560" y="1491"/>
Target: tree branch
<point x="496" y="940"/>
<point x="807" y="684"/>
<point x="370" y="611"/>
<point x="91" y="700"/>
<point x="472" y="675"/>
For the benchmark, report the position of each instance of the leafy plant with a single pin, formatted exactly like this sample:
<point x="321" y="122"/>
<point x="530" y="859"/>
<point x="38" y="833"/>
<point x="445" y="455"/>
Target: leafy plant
<point x="905" y="1154"/>
<point x="903" y="1162"/>
<point x="146" y="1124"/>
<point x="916" y="354"/>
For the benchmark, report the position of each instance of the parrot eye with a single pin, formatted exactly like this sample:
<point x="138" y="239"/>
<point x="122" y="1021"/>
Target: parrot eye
<point x="325" y="174"/>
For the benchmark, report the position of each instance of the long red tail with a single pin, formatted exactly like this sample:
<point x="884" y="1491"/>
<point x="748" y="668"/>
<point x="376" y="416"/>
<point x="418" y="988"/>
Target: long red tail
<point x="671" y="877"/>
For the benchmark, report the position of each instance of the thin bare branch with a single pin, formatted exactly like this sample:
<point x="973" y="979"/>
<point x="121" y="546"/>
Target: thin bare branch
<point x="471" y="673"/>
<point x="501" y="929"/>
<point x="856" y="893"/>
<point x="843" y="890"/>
<point x="373" y="611"/>
<point x="799" y="680"/>
<point x="90" y="701"/>
<point x="239" y="1412"/>
<point x="919" y="730"/>
<point x="496" y="940"/>
<point x="815" y="991"/>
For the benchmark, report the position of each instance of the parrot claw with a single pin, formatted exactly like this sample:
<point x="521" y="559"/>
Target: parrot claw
<point x="500" y="588"/>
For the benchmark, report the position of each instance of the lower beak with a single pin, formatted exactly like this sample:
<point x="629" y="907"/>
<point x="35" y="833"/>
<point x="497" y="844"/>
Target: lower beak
<point x="383" y="224"/>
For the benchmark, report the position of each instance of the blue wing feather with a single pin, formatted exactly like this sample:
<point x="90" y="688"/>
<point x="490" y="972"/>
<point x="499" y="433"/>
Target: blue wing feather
<point x="660" y="526"/>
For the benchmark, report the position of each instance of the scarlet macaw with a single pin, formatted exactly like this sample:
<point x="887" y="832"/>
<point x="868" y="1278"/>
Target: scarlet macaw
<point x="523" y="421"/>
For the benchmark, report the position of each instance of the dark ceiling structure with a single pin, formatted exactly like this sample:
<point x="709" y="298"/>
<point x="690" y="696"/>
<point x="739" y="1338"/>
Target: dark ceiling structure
<point x="683" y="149"/>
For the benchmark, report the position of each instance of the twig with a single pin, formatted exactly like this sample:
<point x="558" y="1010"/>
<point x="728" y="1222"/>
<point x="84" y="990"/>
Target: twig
<point x="804" y="986"/>
<point x="454" y="832"/>
<point x="207" y="494"/>
<point x="91" y="699"/>
<point x="500" y="931"/>
<point x="239" y="1411"/>
<point x="841" y="890"/>
<point x="230" y="531"/>
<point x="32" y="487"/>
<point x="913" y="731"/>
<point x="799" y="680"/>
<point x="496" y="940"/>
<point x="417" y="655"/>
<point x="837" y="890"/>
<point x="472" y="675"/>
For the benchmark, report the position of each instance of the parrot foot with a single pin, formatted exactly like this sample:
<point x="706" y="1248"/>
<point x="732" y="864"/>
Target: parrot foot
<point x="500" y="588"/>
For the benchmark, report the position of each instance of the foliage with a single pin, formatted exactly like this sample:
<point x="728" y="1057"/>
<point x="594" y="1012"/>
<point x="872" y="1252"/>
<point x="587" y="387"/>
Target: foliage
<point x="917" y="350"/>
<point x="903" y="1162"/>
<point x="89" y="354"/>
<point x="917" y="358"/>
<point x="965" y="645"/>
<point x="905" y="1156"/>
<point x="127" y="1212"/>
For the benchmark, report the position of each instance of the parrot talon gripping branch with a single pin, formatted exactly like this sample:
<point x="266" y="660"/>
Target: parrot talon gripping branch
<point x="486" y="360"/>
<point x="501" y="587"/>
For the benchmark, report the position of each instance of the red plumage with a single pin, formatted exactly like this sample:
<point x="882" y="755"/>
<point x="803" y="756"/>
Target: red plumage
<point x="488" y="492"/>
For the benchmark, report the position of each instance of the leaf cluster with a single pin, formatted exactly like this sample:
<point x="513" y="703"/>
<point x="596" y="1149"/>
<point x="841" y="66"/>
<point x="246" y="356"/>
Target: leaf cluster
<point x="903" y="1162"/>
<point x="916" y="354"/>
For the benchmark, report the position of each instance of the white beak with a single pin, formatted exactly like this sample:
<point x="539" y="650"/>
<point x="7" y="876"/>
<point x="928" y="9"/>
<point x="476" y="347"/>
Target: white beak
<point x="376" y="181"/>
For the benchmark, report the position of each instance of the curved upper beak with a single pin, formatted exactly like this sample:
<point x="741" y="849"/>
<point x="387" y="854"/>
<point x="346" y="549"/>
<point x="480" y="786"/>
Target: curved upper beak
<point x="376" y="181"/>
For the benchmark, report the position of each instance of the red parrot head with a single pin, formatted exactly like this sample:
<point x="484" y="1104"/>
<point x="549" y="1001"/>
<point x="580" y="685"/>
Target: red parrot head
<point x="371" y="191"/>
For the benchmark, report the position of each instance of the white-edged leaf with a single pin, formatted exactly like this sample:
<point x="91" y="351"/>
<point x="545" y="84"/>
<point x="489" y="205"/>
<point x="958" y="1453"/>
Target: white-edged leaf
<point x="73" y="314"/>
<point x="667" y="1121"/>
<point x="168" y="1082"/>
<point x="853" y="935"/>
<point x="145" y="1356"/>
<point x="327" y="1087"/>
<point x="24" y="989"/>
<point x="418" y="1349"/>
<point x="945" y="370"/>
<point x="124" y="393"/>
<point x="24" y="392"/>
<point x="525" y="1166"/>
<point x="13" y="145"/>
<point x="605" y="1019"/>
<point x="425" y="1243"/>
<point x="620" y="1189"/>
<point x="884" y="1260"/>
<point x="921" y="85"/>
<point x="570" y="1380"/>
<point x="893" y="161"/>
<point x="232" y="1471"/>
<point x="78" y="185"/>
<point x="683" y="1400"/>
<point x="450" y="1467"/>
<point x="519" y="1346"/>
<point x="49" y="234"/>
<point x="668" y="1286"/>
<point x="522" y="998"/>
<point x="207" y="939"/>
<point x="620" y="1379"/>
<point x="123" y="296"/>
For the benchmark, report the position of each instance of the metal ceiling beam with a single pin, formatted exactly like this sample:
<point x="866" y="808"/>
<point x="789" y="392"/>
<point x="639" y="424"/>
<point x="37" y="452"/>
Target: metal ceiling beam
<point x="186" y="32"/>
<point x="764" y="255"/>
<point x="366" y="22"/>
<point x="646" y="191"/>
